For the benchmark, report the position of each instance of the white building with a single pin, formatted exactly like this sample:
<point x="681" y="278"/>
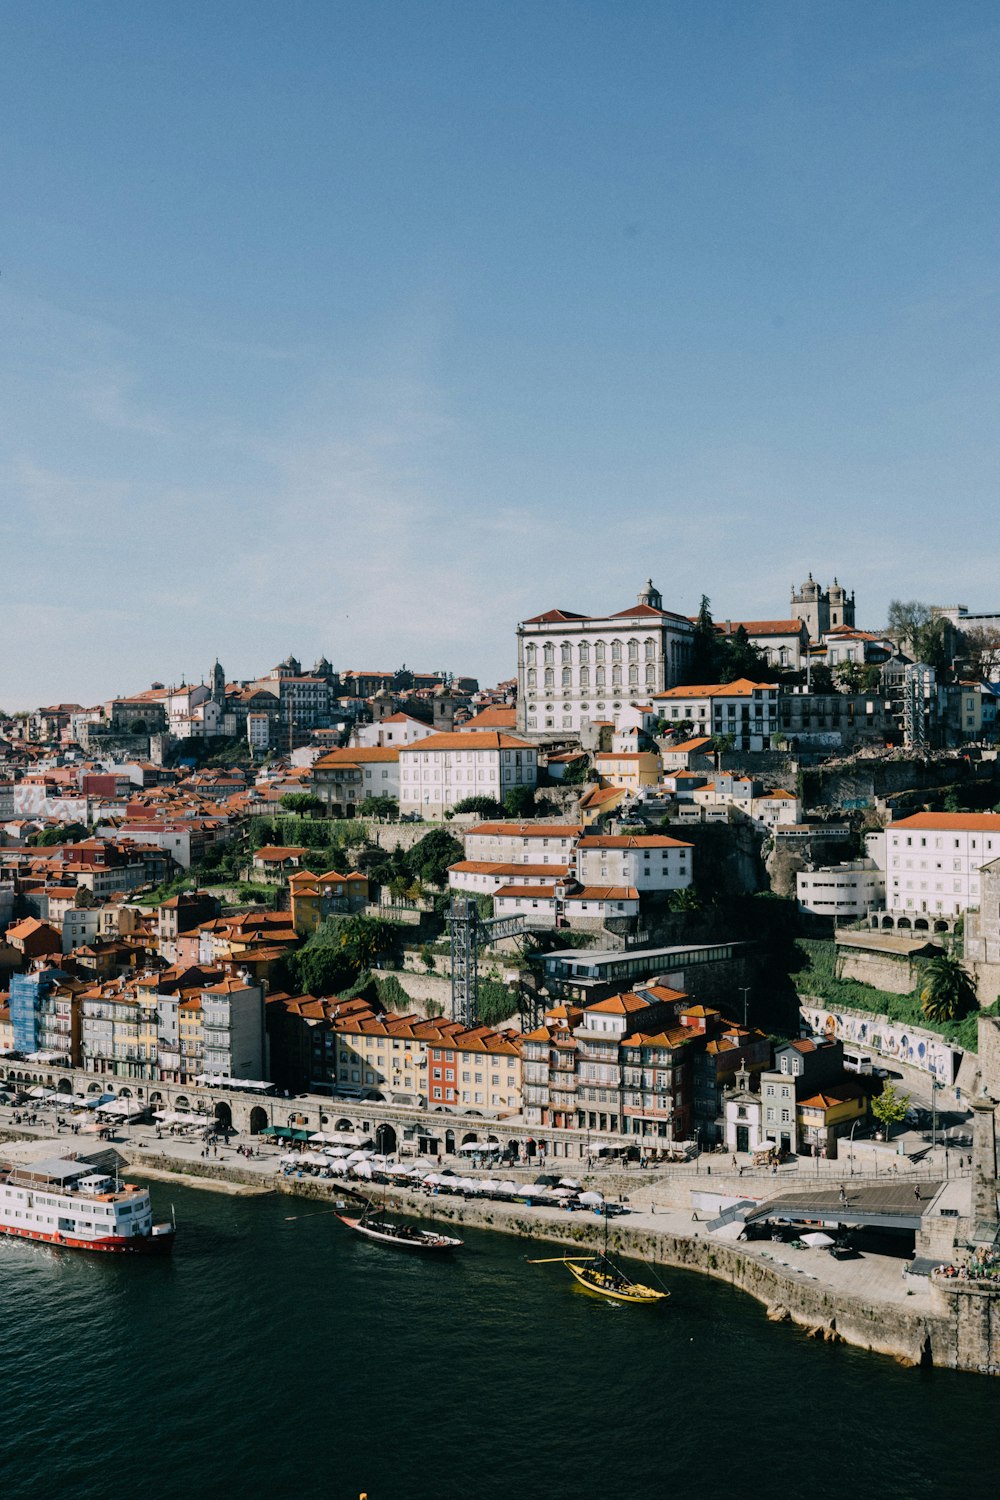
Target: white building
<point x="747" y="711"/>
<point x="645" y="861"/>
<point x="933" y="862"/>
<point x="258" y="731"/>
<point x="397" y="729"/>
<point x="444" y="769"/>
<point x="524" y="843"/>
<point x="566" y="903"/>
<point x="485" y="877"/>
<point x="784" y="642"/>
<point x="232" y="1018"/>
<point x="850" y="890"/>
<point x="572" y="669"/>
<point x="345" y="778"/>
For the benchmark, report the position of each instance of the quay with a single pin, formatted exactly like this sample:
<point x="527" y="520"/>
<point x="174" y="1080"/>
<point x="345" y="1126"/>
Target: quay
<point x="866" y="1302"/>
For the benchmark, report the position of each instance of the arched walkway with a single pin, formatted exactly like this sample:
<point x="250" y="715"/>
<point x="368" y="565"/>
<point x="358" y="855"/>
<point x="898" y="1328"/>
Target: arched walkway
<point x="223" y="1115"/>
<point x="182" y="1101"/>
<point x="449" y="1142"/>
<point x="258" y="1119"/>
<point x="345" y="1125"/>
<point x="385" y="1140"/>
<point x="64" y="1086"/>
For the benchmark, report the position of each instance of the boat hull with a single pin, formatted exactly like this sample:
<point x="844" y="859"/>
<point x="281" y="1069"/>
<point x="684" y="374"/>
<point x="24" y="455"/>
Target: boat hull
<point x="433" y="1242"/>
<point x="112" y="1244"/>
<point x="636" y="1293"/>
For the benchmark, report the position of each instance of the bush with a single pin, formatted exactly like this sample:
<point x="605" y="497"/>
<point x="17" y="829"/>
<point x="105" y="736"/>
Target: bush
<point x="486" y="807"/>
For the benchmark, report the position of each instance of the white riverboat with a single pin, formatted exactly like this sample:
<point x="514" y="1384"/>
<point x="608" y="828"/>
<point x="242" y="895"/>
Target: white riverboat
<point x="71" y="1203"/>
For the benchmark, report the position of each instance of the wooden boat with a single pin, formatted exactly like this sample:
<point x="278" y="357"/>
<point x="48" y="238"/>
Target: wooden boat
<point x="403" y="1236"/>
<point x="599" y="1274"/>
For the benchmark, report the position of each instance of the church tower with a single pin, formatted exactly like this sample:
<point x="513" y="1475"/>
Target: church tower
<point x="651" y="596"/>
<point x="218" y="685"/>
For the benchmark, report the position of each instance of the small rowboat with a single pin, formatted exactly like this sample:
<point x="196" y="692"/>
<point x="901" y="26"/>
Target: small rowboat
<point x="404" y="1236"/>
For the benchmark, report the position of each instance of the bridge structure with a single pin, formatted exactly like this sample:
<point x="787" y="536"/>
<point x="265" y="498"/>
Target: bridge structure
<point x="391" y="1126"/>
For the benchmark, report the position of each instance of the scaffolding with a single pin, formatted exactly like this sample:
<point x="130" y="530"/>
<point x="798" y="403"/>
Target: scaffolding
<point x="468" y="932"/>
<point x="919" y="682"/>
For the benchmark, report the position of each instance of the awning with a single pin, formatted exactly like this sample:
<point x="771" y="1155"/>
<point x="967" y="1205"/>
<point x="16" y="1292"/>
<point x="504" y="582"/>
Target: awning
<point x="285" y="1133"/>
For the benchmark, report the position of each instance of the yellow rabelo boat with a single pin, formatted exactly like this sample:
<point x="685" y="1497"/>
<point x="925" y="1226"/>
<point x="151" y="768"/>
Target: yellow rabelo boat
<point x="599" y="1275"/>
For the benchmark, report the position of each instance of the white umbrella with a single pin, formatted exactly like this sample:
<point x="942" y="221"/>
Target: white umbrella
<point x="402" y="1169"/>
<point x="490" y="1185"/>
<point x="432" y="1179"/>
<point x="817" y="1241"/>
<point x="336" y="1151"/>
<point x="531" y="1191"/>
<point x="507" y="1187"/>
<point x="562" y="1192"/>
<point x="361" y="1168"/>
<point x="338" y="1168"/>
<point x="356" y="1156"/>
<point x="592" y="1199"/>
<point x="569" y="1182"/>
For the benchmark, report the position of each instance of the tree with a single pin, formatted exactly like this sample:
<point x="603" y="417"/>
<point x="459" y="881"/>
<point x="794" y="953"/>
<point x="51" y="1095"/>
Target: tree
<point x="981" y="646"/>
<point x="858" y="677"/>
<point x="486" y="807"/>
<point x="430" y="859"/>
<point x="946" y="992"/>
<point x="704" y="647"/>
<point x="921" y="634"/>
<point x="821" y="679"/>
<point x="302" y="802"/>
<point x="889" y="1108"/>
<point x="739" y="657"/>
<point x="66" y="833"/>
<point x="379" y="807"/>
<point x="577" y="771"/>
<point x="520" y="802"/>
<point x="495" y="1002"/>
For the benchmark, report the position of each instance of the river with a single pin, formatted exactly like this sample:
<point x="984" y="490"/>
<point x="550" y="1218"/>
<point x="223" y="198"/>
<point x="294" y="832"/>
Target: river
<point x="278" y="1355"/>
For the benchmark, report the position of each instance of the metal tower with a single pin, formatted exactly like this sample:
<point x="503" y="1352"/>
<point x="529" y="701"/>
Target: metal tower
<point x="468" y="932"/>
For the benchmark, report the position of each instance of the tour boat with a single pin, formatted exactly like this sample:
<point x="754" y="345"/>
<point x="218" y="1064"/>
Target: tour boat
<point x="402" y="1235"/>
<point x="600" y="1275"/>
<point x="62" y="1201"/>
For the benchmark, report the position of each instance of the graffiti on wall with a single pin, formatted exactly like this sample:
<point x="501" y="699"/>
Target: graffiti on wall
<point x="890" y="1039"/>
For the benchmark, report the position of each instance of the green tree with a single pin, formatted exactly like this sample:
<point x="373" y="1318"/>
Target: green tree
<point x="303" y="802"/>
<point x="576" y="771"/>
<point x="496" y="1002"/>
<point x="430" y="859"/>
<point x="739" y="657"/>
<point x="821" y="679"/>
<point x="486" y="807"/>
<point x="520" y="802"/>
<point x="889" y="1108"/>
<point x="703" y="664"/>
<point x="379" y="807"/>
<point x="66" y="833"/>
<point x="946" y="993"/>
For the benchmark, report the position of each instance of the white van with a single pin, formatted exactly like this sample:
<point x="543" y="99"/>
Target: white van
<point x="857" y="1062"/>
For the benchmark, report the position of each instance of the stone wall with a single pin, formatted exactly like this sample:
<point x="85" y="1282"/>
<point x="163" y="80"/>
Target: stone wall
<point x="989" y="1055"/>
<point x="886" y="971"/>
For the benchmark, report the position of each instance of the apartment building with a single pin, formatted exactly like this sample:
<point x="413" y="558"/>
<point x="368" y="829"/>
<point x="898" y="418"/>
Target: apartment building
<point x="933" y="862"/>
<point x="646" y="861"/>
<point x="344" y="778"/>
<point x="444" y="769"/>
<point x="745" y="711"/>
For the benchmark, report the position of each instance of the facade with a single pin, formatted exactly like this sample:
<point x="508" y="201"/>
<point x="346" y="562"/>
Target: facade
<point x="745" y="711"/>
<point x="395" y="730"/>
<point x="565" y="903"/>
<point x="316" y="897"/>
<point x="444" y="769"/>
<point x="646" y="862"/>
<point x="573" y="669"/>
<point x="933" y="862"/>
<point x="843" y="892"/>
<point x="343" y="779"/>
<point x="834" y="720"/>
<point x="524" y="843"/>
<point x="630" y="769"/>
<point x="784" y="642"/>
<point x="232" y="1019"/>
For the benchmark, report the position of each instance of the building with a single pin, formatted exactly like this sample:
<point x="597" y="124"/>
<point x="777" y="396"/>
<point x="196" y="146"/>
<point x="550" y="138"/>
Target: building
<point x="566" y="903"/>
<point x="524" y="843"/>
<point x="933" y="863"/>
<point x="646" y="862"/>
<point x="843" y="892"/>
<point x="785" y="643"/>
<point x="45" y="1014"/>
<point x="630" y="769"/>
<point x="826" y="1116"/>
<point x="394" y="730"/>
<point x="316" y="897"/>
<point x="821" y="609"/>
<point x="833" y="721"/>
<point x="744" y="711"/>
<point x="233" y="1033"/>
<point x="445" y="769"/>
<point x="573" y="668"/>
<point x="343" y="779"/>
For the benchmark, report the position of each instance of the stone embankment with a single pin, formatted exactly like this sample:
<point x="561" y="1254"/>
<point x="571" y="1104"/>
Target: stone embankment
<point x="959" y="1329"/>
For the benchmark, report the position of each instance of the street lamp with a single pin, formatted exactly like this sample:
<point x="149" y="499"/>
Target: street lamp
<point x="744" y="991"/>
<point x="853" y="1129"/>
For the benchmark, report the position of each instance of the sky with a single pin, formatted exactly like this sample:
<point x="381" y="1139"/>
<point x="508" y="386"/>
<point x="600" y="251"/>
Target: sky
<point x="372" y="328"/>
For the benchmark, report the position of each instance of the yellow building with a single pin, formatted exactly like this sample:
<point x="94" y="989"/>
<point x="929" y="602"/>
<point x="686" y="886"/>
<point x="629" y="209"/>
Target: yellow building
<point x="828" y="1114"/>
<point x="600" y="800"/>
<point x="630" y="769"/>
<point x="316" y="897"/>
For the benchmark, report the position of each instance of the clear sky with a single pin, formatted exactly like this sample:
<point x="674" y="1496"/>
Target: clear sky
<point x="370" y="328"/>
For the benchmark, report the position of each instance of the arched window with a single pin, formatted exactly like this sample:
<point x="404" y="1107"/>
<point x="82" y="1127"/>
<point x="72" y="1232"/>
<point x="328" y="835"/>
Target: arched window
<point x="529" y="651"/>
<point x="550" y="677"/>
<point x="616" y="676"/>
<point x="650" y="649"/>
<point x="584" y="678"/>
<point x="548" y="653"/>
<point x="584" y="652"/>
<point x="599" y="676"/>
<point x="633" y="675"/>
<point x="532" y="677"/>
<point x="650" y="675"/>
<point x="567" y="677"/>
<point x="633" y="650"/>
<point x="616" y="650"/>
<point x="599" y="650"/>
<point x="566" y="652"/>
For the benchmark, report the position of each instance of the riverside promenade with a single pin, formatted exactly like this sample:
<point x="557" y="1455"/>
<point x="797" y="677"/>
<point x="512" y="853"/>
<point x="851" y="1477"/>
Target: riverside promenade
<point x="864" y="1301"/>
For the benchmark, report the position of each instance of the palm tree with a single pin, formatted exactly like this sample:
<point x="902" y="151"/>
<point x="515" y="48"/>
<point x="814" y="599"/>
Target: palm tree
<point x="946" y="992"/>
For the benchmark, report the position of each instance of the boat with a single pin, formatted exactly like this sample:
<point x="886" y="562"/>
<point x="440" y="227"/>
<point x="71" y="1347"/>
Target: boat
<point x="600" y="1275"/>
<point x="74" y="1204"/>
<point x="404" y="1236"/>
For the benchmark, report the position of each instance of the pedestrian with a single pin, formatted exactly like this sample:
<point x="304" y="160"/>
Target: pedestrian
<point x="916" y="1194"/>
<point x="652" y="1208"/>
<point x="734" y="1163"/>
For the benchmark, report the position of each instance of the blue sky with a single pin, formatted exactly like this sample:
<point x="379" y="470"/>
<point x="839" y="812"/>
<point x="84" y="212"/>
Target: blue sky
<point x="372" y="328"/>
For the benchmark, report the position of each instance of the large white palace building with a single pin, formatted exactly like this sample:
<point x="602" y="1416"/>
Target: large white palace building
<point x="573" y="669"/>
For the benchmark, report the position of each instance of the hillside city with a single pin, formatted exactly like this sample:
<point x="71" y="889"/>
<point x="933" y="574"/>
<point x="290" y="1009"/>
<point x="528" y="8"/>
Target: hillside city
<point x="585" y="899"/>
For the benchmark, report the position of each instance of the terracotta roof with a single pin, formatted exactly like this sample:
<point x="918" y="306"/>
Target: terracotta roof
<point x="631" y="841"/>
<point x="764" y="627"/>
<point x="492" y="867"/>
<point x="493" y="718"/>
<point x="688" y="745"/>
<point x="952" y="822"/>
<point x="553" y="617"/>
<point x="358" y="755"/>
<point x="742" y="687"/>
<point x="482" y="739"/>
<point x="526" y="830"/>
<point x="620" y="1005"/>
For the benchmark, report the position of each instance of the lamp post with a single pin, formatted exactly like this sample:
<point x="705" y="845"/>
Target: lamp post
<point x="853" y="1129"/>
<point x="744" y="991"/>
